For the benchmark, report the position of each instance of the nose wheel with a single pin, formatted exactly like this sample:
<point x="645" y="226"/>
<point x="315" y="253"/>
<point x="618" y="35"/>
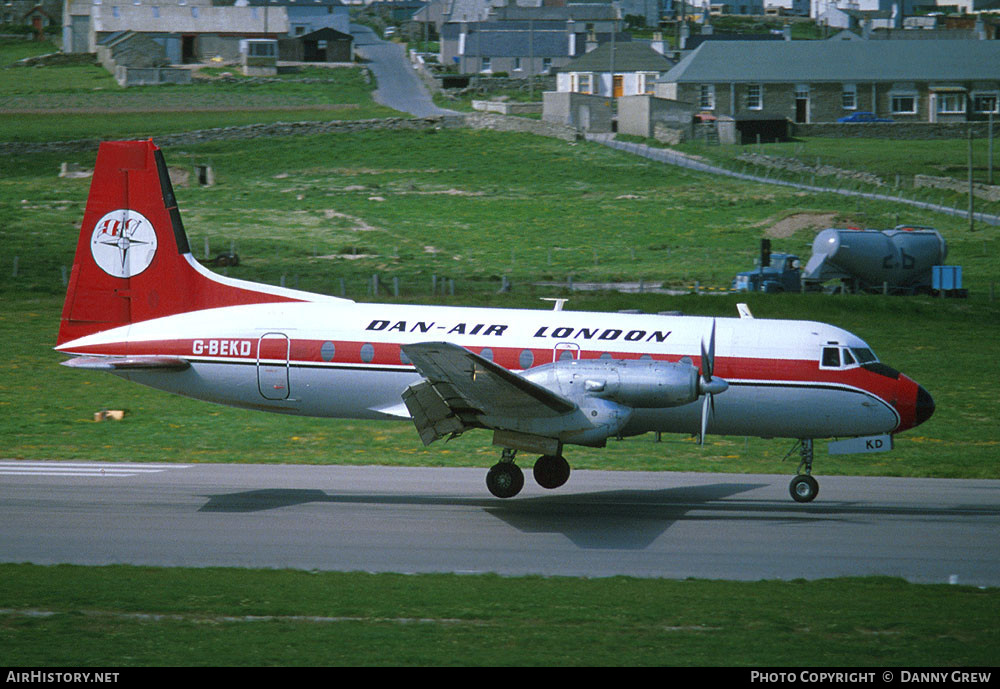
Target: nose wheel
<point x="804" y="487"/>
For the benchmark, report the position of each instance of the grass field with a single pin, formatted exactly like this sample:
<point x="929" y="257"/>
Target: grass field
<point x="472" y="207"/>
<point x="130" y="616"/>
<point x="83" y="101"/>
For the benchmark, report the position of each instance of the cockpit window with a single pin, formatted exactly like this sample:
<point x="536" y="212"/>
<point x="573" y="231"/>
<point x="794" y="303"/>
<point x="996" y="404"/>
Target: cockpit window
<point x="831" y="357"/>
<point x="864" y="355"/>
<point x="845" y="357"/>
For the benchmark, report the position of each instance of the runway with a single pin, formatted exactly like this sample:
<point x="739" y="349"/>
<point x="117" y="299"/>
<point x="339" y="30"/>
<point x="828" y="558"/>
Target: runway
<point x="411" y="520"/>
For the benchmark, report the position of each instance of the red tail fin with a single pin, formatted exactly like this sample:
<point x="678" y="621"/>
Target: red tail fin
<point x="132" y="261"/>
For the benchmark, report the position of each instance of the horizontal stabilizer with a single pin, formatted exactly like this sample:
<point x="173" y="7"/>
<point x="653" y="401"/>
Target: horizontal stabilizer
<point x="128" y="363"/>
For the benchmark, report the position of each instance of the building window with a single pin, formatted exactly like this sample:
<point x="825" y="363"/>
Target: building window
<point x="904" y="104"/>
<point x="194" y="12"/>
<point x="115" y="12"/>
<point x="984" y="102"/>
<point x="484" y="65"/>
<point x="849" y="97"/>
<point x="517" y="63"/>
<point x="583" y="83"/>
<point x="546" y="64"/>
<point x="647" y="81"/>
<point x="156" y="12"/>
<point x="950" y="103"/>
<point x="755" y="97"/>
<point x="706" y="97"/>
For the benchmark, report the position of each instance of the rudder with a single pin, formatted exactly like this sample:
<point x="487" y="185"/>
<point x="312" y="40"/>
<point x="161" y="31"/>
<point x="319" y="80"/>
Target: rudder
<point x="132" y="259"/>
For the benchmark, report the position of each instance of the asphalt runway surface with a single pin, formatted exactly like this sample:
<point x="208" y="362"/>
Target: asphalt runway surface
<point x="382" y="519"/>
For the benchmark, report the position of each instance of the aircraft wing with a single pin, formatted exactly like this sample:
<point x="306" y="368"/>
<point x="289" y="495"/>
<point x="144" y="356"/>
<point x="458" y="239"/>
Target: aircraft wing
<point x="459" y="387"/>
<point x="128" y="363"/>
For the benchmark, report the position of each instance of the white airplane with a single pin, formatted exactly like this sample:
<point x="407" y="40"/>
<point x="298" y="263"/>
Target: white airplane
<point x="140" y="306"/>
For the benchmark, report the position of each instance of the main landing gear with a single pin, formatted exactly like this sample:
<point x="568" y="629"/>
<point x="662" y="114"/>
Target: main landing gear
<point x="505" y="479"/>
<point x="804" y="487"/>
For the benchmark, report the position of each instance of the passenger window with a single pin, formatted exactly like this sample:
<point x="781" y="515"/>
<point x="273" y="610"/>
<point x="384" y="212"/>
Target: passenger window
<point x="831" y="357"/>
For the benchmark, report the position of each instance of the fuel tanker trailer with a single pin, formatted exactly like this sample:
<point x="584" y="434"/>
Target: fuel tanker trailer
<point x="899" y="260"/>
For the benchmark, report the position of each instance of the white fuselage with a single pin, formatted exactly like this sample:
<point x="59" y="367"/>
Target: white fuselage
<point x="338" y="358"/>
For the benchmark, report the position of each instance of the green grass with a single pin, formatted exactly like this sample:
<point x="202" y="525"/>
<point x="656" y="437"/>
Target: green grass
<point x="131" y="616"/>
<point x="883" y="157"/>
<point x="302" y="207"/>
<point x="83" y="101"/>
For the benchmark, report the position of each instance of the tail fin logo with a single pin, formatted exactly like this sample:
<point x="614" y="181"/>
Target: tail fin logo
<point x="123" y="243"/>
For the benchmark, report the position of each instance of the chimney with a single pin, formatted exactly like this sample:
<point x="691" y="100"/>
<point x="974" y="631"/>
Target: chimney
<point x="685" y="32"/>
<point x="591" y="43"/>
<point x="786" y="32"/>
<point x="658" y="44"/>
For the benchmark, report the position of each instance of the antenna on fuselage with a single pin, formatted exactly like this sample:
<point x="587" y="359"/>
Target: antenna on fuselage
<point x="557" y="302"/>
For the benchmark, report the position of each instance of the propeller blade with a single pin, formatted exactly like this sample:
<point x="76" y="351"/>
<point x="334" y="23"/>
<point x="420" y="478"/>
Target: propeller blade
<point x="704" y="419"/>
<point x="708" y="358"/>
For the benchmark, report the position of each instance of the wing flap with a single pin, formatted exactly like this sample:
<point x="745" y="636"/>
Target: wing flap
<point x="460" y="388"/>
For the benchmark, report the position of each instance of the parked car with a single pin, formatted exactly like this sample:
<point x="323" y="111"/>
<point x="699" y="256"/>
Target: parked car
<point x="863" y="117"/>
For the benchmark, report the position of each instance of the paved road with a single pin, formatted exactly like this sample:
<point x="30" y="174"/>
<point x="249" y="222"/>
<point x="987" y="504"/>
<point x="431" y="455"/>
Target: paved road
<point x="399" y="87"/>
<point x="672" y="525"/>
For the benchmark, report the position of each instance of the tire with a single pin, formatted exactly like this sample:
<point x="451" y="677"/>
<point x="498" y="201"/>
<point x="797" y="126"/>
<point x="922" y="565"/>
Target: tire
<point x="803" y="488"/>
<point x="551" y="471"/>
<point x="505" y="480"/>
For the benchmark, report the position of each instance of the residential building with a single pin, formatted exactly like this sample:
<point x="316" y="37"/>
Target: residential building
<point x="307" y="16"/>
<point x="615" y="69"/>
<point x="189" y="30"/>
<point x="523" y="41"/>
<point x="821" y="81"/>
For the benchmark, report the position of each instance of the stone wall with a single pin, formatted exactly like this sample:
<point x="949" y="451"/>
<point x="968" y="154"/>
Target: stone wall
<point x="982" y="191"/>
<point x="892" y="130"/>
<point x="501" y="123"/>
<point x="253" y="131"/>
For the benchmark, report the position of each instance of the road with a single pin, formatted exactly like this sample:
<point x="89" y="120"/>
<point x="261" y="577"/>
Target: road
<point x="399" y="87"/>
<point x="380" y="519"/>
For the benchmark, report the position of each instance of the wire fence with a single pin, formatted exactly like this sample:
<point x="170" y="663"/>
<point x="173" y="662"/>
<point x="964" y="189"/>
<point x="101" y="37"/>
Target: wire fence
<point x="672" y="158"/>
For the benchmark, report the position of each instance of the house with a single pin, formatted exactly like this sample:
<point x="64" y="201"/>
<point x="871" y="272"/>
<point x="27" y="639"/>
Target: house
<point x="307" y="16"/>
<point x="324" y="45"/>
<point x="522" y="41"/>
<point x="615" y="69"/>
<point x="194" y="31"/>
<point x="821" y="81"/>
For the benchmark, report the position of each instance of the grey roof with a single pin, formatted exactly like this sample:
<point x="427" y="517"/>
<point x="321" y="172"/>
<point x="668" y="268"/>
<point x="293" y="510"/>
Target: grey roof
<point x="628" y="57"/>
<point x="296" y="3"/>
<point x="838" y="61"/>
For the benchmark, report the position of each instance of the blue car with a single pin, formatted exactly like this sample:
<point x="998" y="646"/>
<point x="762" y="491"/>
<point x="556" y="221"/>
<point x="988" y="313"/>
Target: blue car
<point x="863" y="117"/>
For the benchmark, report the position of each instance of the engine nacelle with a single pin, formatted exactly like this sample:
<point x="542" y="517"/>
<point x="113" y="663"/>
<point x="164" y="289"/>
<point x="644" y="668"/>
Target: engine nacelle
<point x="637" y="384"/>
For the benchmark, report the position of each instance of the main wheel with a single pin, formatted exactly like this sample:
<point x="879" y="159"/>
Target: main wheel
<point x="551" y="471"/>
<point x="803" y="488"/>
<point x="505" y="480"/>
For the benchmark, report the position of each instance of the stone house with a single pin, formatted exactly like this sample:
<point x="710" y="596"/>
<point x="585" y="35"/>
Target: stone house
<point x="821" y="81"/>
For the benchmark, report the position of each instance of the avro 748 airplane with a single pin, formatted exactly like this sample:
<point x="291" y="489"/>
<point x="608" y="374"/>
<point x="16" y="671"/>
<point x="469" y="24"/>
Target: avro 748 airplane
<point x="140" y="306"/>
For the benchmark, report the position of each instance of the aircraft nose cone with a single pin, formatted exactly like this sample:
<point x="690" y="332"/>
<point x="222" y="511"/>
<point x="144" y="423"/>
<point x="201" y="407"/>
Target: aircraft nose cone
<point x="925" y="405"/>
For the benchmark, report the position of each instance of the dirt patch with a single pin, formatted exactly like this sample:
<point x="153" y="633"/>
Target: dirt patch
<point x="359" y="225"/>
<point x="786" y="227"/>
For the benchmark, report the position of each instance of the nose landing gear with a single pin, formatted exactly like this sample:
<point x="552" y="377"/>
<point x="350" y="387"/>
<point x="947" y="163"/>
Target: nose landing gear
<point x="804" y="487"/>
